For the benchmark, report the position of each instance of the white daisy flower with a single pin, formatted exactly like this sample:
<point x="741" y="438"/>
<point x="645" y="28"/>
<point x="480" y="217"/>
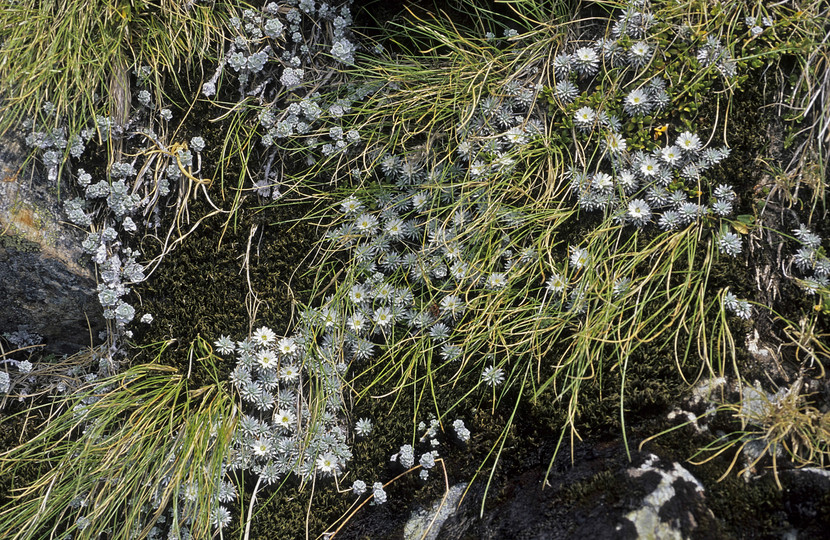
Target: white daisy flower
<point x="264" y="336"/>
<point x="287" y="346"/>
<point x="496" y="280"/>
<point x="383" y="317"/>
<point x="670" y="154"/>
<point x="351" y="205"/>
<point x="688" y="142"/>
<point x="357" y="322"/>
<point x="327" y="463"/>
<point x="261" y="447"/>
<point x="267" y="359"/>
<point x="284" y="418"/>
<point x="289" y="372"/>
<point x="615" y="143"/>
<point x="556" y="283"/>
<point x="639" y="212"/>
<point x="603" y="182"/>
<point x="366" y="223"/>
<point x="584" y="117"/>
<point x="579" y="256"/>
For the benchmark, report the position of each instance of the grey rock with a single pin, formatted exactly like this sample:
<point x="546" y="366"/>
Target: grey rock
<point x="669" y="511"/>
<point x="600" y="495"/>
<point x="47" y="286"/>
<point x="425" y="524"/>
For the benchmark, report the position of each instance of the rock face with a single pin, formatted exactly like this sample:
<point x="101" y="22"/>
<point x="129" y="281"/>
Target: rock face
<point x="652" y="500"/>
<point x="600" y="495"/>
<point x="604" y="495"/>
<point x="46" y="286"/>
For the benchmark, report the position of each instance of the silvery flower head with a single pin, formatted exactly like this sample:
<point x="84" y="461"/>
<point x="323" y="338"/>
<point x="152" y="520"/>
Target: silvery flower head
<point x="729" y="243"/>
<point x="565" y="91"/>
<point x="637" y="102"/>
<point x="639" y="212"/>
<point x="584" y="118"/>
<point x="688" y="142"/>
<point x="639" y="54"/>
<point x="492" y="376"/>
<point x="586" y="61"/>
<point x="562" y="65"/>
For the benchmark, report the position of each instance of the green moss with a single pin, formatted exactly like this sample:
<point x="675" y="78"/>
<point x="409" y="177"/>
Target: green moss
<point x="201" y="287"/>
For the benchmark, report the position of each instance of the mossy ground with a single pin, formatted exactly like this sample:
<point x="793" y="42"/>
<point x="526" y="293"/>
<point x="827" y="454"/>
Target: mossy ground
<point x="202" y="287"/>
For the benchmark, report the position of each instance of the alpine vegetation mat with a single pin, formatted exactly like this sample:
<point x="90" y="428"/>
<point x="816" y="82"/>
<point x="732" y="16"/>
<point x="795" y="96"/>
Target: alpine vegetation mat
<point x="321" y="237"/>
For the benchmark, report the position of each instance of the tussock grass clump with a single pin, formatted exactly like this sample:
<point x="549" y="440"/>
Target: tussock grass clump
<point x="79" y="55"/>
<point x="122" y="453"/>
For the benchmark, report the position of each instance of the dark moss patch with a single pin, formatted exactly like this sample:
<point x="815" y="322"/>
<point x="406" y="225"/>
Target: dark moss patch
<point x="201" y="287"/>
